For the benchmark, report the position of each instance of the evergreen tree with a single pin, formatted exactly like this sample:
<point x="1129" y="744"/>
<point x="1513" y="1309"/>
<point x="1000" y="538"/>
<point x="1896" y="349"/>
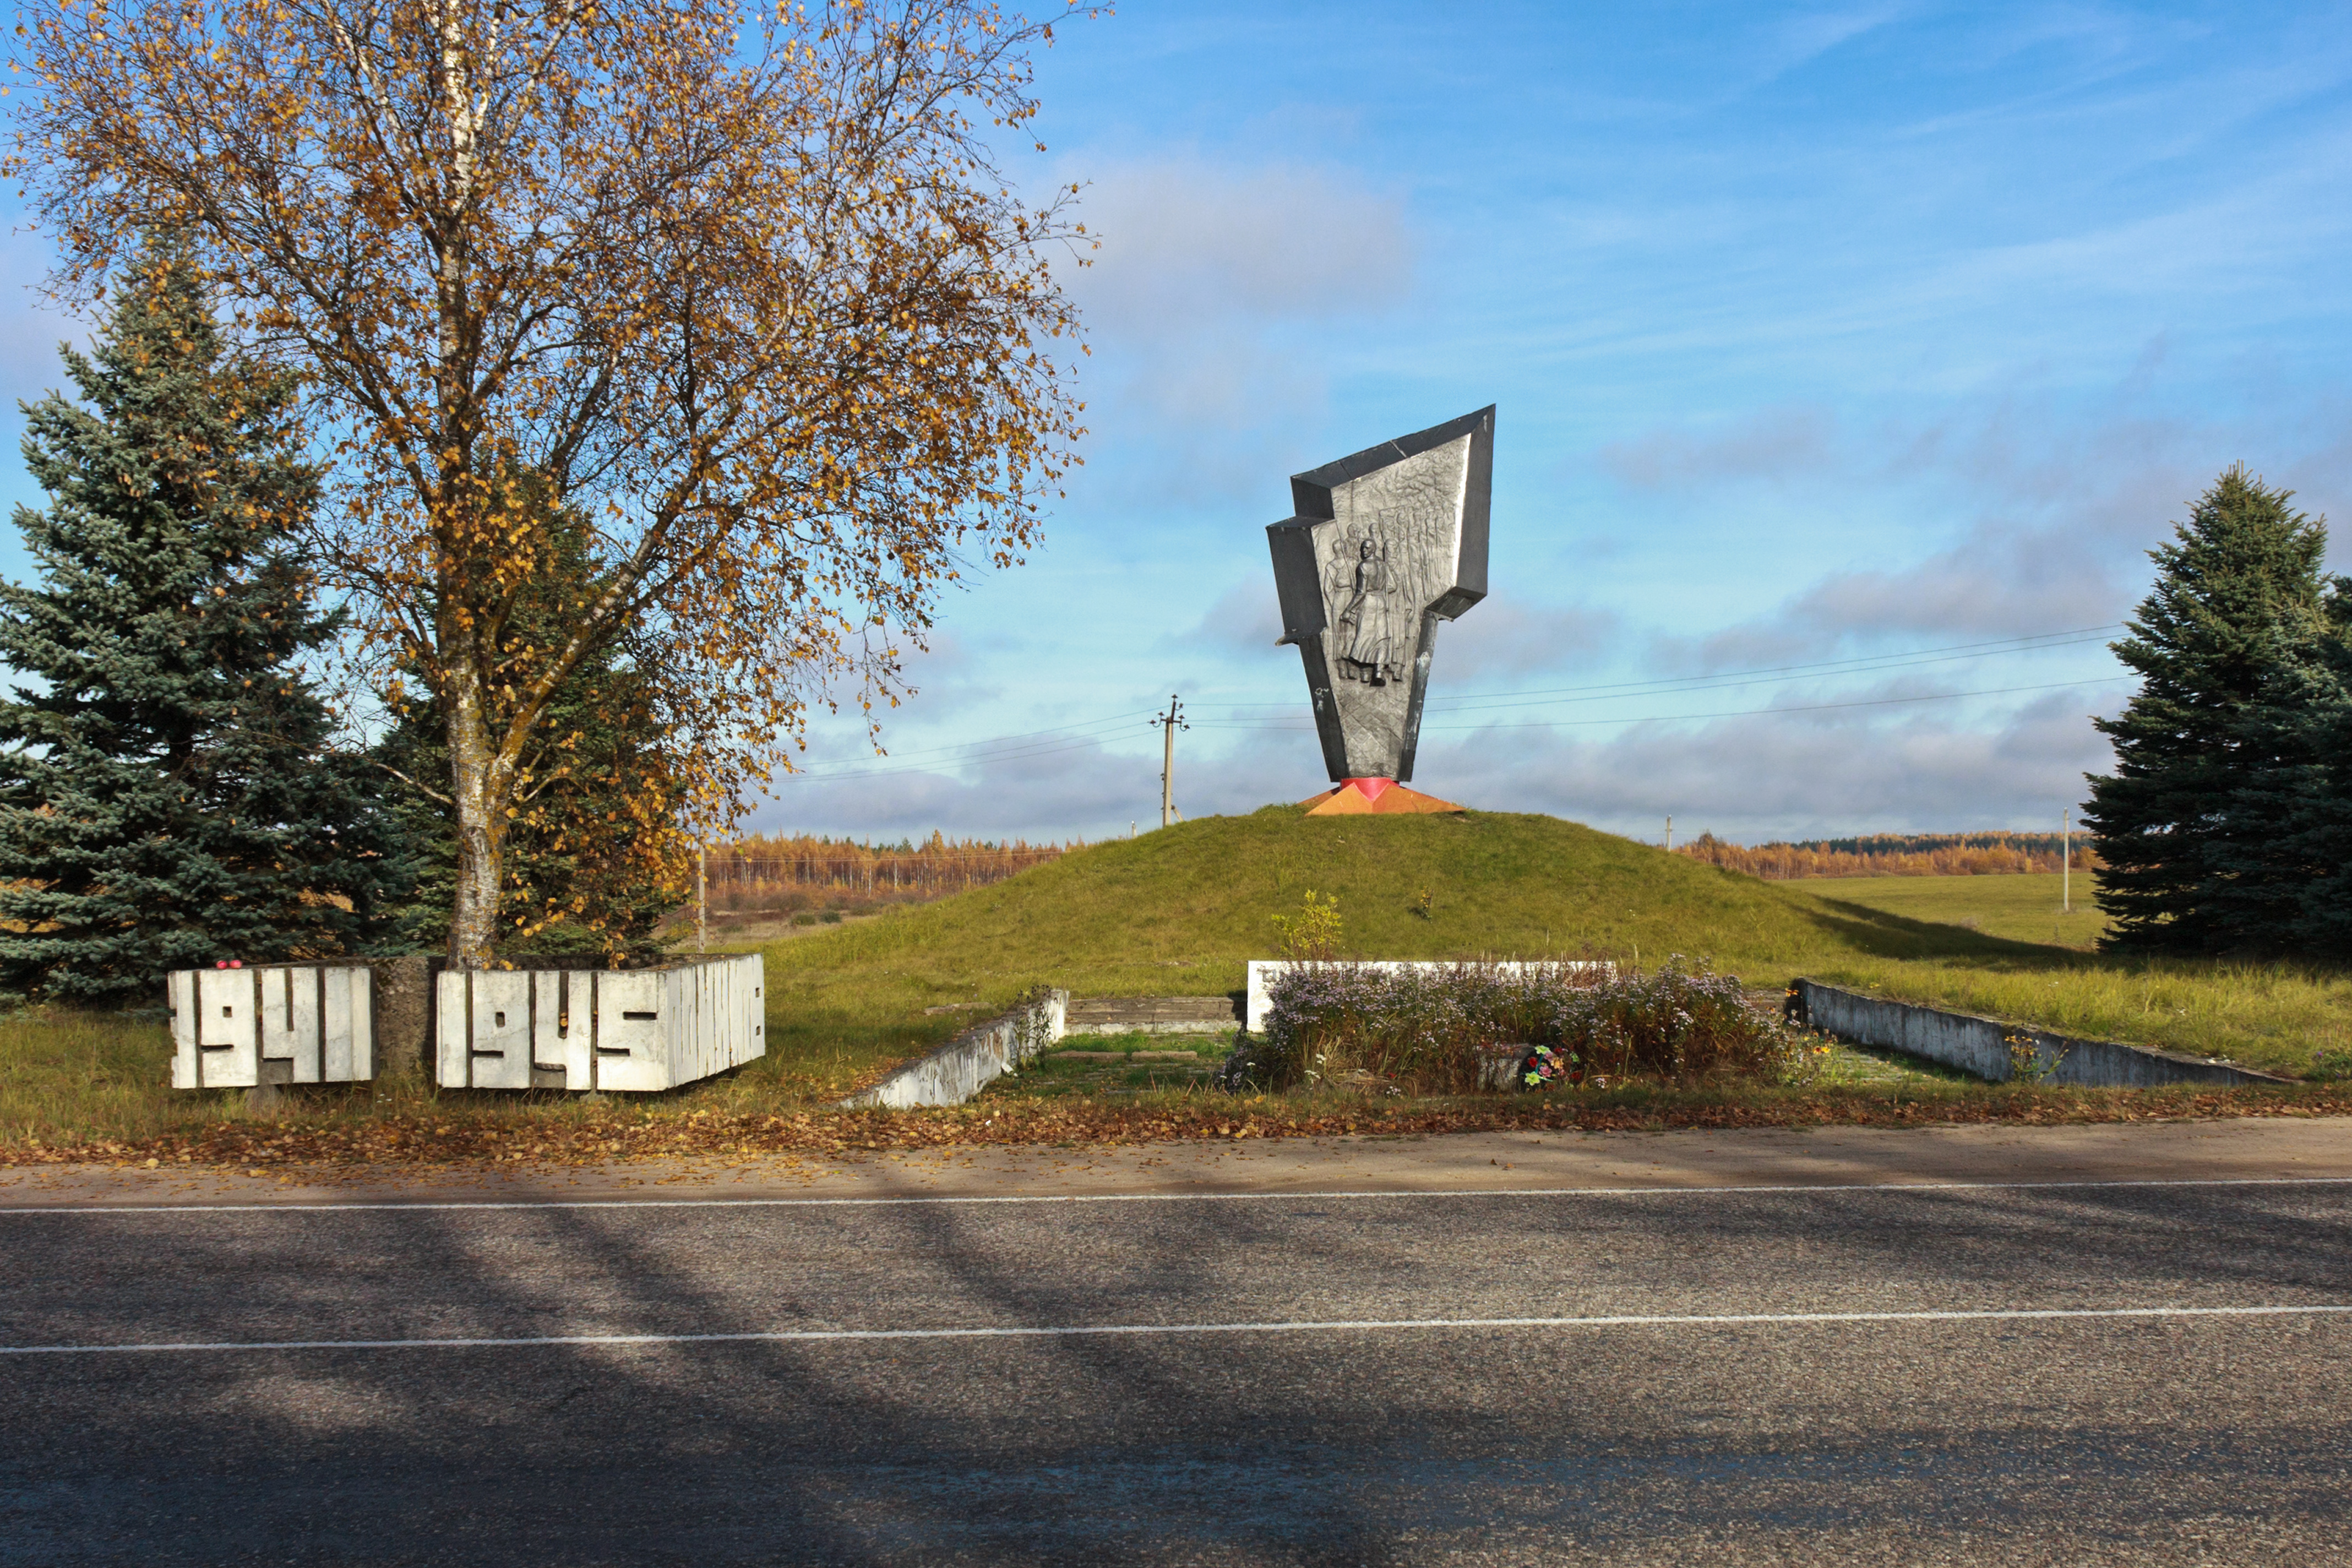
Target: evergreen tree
<point x="167" y="795"/>
<point x="2207" y="752"/>
<point x="2315" y="807"/>
<point x="595" y="856"/>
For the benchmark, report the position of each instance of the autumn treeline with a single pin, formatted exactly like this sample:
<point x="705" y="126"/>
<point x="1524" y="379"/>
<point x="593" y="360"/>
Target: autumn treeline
<point x="1894" y="855"/>
<point x="799" y="870"/>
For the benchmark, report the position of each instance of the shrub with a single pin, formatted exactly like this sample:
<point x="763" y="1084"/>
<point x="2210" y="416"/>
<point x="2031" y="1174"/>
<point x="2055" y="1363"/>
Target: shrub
<point x="1312" y="935"/>
<point x="1427" y="1029"/>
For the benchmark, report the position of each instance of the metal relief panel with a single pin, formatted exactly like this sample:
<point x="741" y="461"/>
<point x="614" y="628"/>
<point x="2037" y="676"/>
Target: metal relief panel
<point x="501" y="1042"/>
<point x="229" y="1035"/>
<point x="1385" y="561"/>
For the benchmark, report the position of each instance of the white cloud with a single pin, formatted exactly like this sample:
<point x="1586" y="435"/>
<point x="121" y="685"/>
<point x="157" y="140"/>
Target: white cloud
<point x="1770" y="444"/>
<point x="1216" y="306"/>
<point x="1758" y="777"/>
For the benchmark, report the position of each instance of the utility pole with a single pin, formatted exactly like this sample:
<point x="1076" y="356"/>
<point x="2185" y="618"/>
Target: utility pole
<point x="2066" y="861"/>
<point x="702" y="894"/>
<point x="1170" y="722"/>
<point x="1670" y="832"/>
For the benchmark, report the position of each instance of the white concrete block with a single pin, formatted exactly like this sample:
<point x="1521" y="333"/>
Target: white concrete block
<point x="640" y="1031"/>
<point x="318" y="1020"/>
<point x="452" y="1034"/>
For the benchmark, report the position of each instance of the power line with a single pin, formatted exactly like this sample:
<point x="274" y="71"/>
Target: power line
<point x="1727" y="714"/>
<point x="1725" y="683"/>
<point x="1033" y="743"/>
<point x="1860" y="664"/>
<point x="815" y="777"/>
<point x="1087" y="733"/>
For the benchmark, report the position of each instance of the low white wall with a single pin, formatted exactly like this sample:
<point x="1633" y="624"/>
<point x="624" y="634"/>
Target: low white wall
<point x="1262" y="971"/>
<point x="1980" y="1046"/>
<point x="634" y="1030"/>
<point x="274" y="1022"/>
<point x="965" y="1065"/>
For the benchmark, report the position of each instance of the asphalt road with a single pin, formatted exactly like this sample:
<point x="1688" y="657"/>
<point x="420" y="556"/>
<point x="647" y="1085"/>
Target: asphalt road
<point x="1929" y="1373"/>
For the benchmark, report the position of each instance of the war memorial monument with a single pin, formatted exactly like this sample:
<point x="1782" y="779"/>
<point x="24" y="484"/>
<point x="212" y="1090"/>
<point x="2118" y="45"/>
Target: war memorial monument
<point x="1385" y="544"/>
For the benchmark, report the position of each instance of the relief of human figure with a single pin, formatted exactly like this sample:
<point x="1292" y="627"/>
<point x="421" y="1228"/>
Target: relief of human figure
<point x="1370" y="647"/>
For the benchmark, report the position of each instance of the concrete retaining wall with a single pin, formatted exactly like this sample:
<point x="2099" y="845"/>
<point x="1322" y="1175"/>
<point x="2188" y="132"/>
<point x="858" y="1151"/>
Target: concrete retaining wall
<point x="1980" y="1046"/>
<point x="1152" y="1016"/>
<point x="965" y="1065"/>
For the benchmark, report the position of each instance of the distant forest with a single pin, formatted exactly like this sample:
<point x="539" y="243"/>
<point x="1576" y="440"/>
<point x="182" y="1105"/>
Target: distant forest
<point x="790" y="872"/>
<point x="799" y="871"/>
<point x="1894" y="855"/>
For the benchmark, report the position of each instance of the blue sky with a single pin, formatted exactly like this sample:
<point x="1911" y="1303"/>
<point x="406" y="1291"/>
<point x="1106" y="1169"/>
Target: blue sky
<point x="1816" y="336"/>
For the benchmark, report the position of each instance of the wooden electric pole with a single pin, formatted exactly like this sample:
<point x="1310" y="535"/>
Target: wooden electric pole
<point x="2066" y="861"/>
<point x="1169" y="723"/>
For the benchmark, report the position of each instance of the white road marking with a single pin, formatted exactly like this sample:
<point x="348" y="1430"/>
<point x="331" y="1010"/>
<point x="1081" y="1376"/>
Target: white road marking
<point x="1276" y="1196"/>
<point x="792" y="1336"/>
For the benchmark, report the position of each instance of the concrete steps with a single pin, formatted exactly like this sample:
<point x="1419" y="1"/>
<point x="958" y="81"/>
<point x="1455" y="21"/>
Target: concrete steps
<point x="1153" y="1016"/>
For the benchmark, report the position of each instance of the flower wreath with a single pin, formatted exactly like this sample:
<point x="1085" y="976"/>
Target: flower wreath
<point x="1545" y="1067"/>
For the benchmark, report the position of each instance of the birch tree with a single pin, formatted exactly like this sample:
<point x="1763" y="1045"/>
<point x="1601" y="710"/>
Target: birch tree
<point x="746" y="288"/>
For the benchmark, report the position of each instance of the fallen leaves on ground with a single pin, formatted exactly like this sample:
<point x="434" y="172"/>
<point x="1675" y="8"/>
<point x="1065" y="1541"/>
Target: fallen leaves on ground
<point x="488" y="1137"/>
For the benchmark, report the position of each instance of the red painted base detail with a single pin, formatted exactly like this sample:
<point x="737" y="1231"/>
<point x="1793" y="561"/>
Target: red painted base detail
<point x="1374" y="797"/>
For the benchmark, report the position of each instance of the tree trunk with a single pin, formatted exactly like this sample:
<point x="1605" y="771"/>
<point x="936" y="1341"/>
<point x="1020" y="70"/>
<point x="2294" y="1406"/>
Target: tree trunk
<point x="480" y="784"/>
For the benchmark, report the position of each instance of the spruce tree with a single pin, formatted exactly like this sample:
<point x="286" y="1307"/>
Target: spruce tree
<point x="2313" y="704"/>
<point x="2207" y="753"/>
<point x="167" y="793"/>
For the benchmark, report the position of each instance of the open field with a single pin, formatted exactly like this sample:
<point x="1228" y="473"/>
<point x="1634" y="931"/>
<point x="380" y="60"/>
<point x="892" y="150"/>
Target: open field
<point x="2024" y="906"/>
<point x="1181" y="912"/>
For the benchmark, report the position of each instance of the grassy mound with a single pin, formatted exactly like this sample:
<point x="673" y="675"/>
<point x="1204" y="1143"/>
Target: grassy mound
<point x="1183" y="911"/>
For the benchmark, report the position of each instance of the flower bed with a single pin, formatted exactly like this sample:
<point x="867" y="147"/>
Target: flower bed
<point x="1429" y="1031"/>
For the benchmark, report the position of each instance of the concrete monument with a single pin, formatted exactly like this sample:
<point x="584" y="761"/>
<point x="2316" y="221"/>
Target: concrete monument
<point x="1386" y="544"/>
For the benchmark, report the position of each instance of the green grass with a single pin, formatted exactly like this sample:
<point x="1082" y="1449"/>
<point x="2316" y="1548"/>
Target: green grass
<point x="1180" y="911"/>
<point x="1183" y="911"/>
<point x="2022" y="908"/>
<point x="1071" y="1067"/>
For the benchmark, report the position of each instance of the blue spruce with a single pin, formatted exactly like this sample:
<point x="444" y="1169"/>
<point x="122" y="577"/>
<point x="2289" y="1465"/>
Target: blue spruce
<point x="2211" y="755"/>
<point x="168" y="792"/>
